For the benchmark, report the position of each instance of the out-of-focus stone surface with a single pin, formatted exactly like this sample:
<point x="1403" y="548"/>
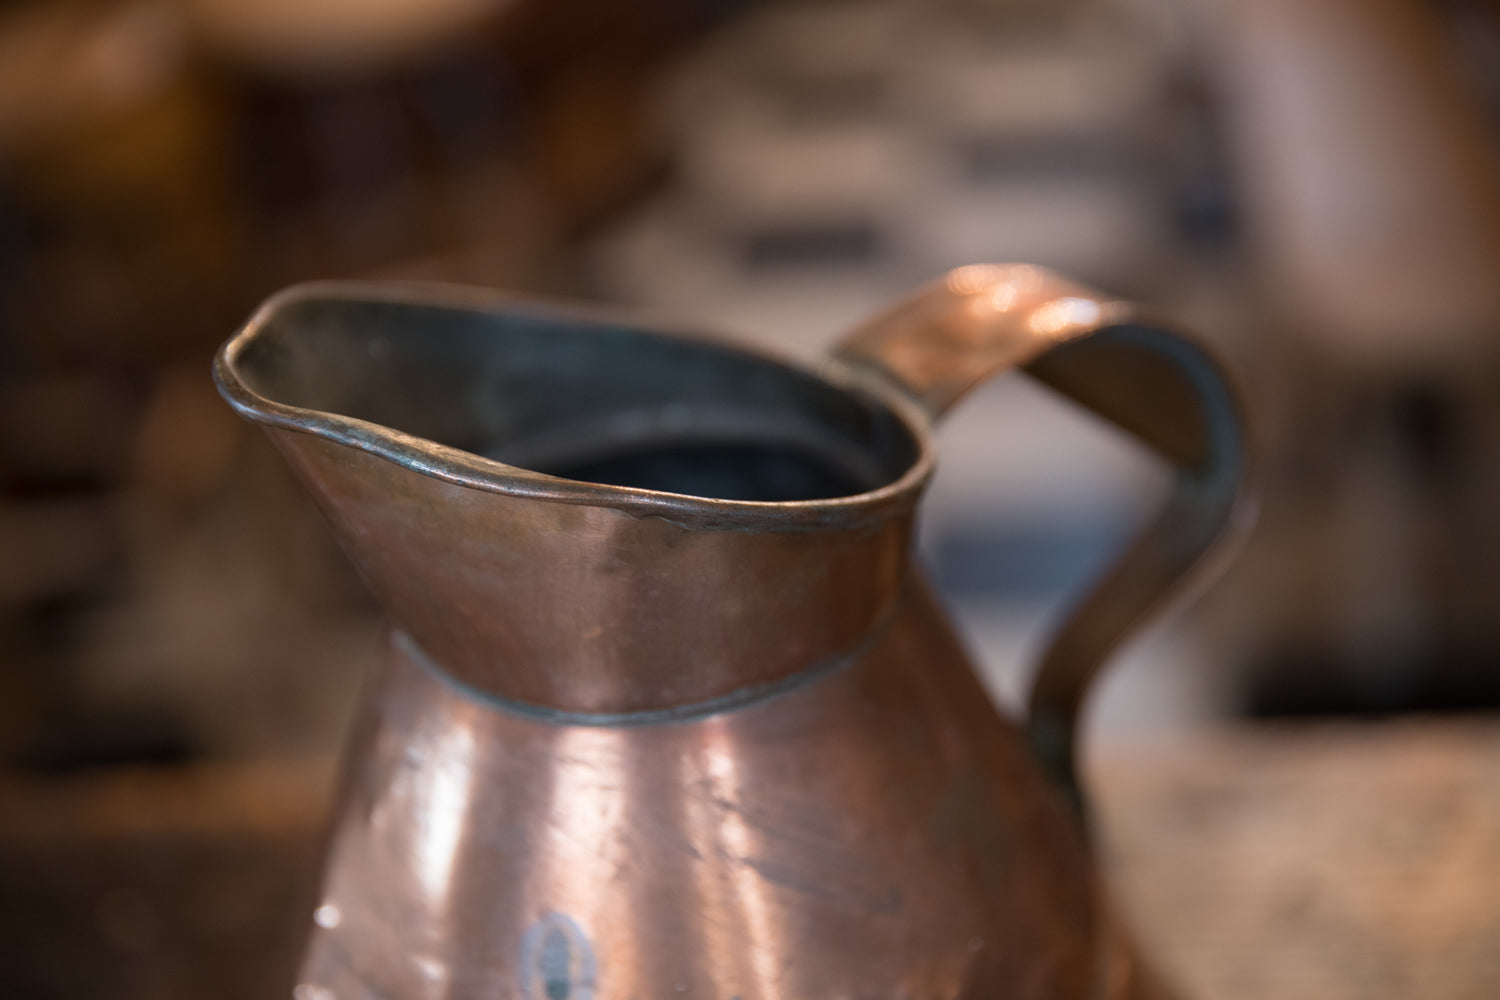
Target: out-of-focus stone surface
<point x="1329" y="862"/>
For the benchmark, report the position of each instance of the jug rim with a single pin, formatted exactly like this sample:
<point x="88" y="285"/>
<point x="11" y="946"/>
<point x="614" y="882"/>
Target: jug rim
<point x="467" y="469"/>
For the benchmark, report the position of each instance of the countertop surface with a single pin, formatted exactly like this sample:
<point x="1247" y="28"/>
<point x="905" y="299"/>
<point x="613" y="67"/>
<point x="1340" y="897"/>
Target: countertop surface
<point x="1311" y="860"/>
<point x="1322" y="861"/>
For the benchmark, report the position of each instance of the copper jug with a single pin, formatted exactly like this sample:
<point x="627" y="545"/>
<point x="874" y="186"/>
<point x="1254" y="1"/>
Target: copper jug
<point x="667" y="711"/>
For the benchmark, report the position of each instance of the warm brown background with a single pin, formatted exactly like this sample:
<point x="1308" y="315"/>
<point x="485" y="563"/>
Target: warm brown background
<point x="1312" y="183"/>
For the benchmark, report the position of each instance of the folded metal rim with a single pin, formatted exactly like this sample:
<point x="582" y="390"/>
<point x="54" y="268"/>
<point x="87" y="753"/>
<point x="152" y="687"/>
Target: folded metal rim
<point x="474" y="471"/>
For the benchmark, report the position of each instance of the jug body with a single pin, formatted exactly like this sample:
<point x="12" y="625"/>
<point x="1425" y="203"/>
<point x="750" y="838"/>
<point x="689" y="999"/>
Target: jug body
<point x="666" y="708"/>
<point x="875" y="831"/>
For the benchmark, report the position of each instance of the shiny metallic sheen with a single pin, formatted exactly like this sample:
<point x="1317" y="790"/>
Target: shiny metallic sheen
<point x="636" y="741"/>
<point x="1126" y="366"/>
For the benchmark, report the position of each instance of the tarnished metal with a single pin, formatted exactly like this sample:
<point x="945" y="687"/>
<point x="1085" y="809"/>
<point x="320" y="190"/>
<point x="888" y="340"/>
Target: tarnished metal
<point x="666" y="709"/>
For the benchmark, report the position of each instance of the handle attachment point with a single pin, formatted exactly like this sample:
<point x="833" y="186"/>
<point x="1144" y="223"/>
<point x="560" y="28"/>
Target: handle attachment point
<point x="1111" y="357"/>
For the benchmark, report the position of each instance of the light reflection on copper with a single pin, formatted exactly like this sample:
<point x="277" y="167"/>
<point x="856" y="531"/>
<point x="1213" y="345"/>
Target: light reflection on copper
<point x="974" y="278"/>
<point x="732" y="895"/>
<point x="986" y="305"/>
<point x="1065" y="317"/>
<point x="1003" y="297"/>
<point x="443" y="799"/>
<point x="327" y="916"/>
<point x="586" y="812"/>
<point x="432" y="970"/>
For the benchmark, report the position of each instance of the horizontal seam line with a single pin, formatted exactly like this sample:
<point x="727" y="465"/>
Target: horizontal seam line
<point x="744" y="697"/>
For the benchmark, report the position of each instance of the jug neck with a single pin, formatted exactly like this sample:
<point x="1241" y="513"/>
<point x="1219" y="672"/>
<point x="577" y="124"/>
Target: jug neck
<point x="582" y="610"/>
<point x="582" y="598"/>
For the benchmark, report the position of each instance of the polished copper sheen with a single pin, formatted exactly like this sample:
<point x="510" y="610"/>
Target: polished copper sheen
<point x="667" y="711"/>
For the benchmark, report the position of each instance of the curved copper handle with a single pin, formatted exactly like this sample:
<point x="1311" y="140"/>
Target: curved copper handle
<point x="1160" y="386"/>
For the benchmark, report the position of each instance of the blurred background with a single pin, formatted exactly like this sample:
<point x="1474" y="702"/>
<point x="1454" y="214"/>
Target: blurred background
<point x="1313" y="185"/>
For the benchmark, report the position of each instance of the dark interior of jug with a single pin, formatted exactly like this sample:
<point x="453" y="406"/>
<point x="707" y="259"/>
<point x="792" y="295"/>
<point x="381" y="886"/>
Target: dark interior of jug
<point x="727" y="471"/>
<point x="580" y="399"/>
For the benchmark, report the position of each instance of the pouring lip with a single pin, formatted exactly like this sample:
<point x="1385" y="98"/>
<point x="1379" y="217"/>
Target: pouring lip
<point x="467" y="469"/>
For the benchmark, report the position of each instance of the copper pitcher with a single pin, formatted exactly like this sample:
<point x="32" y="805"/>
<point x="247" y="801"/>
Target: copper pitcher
<point x="667" y="711"/>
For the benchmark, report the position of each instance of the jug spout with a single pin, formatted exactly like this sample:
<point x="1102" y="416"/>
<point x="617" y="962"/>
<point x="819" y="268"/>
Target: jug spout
<point x="579" y="518"/>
